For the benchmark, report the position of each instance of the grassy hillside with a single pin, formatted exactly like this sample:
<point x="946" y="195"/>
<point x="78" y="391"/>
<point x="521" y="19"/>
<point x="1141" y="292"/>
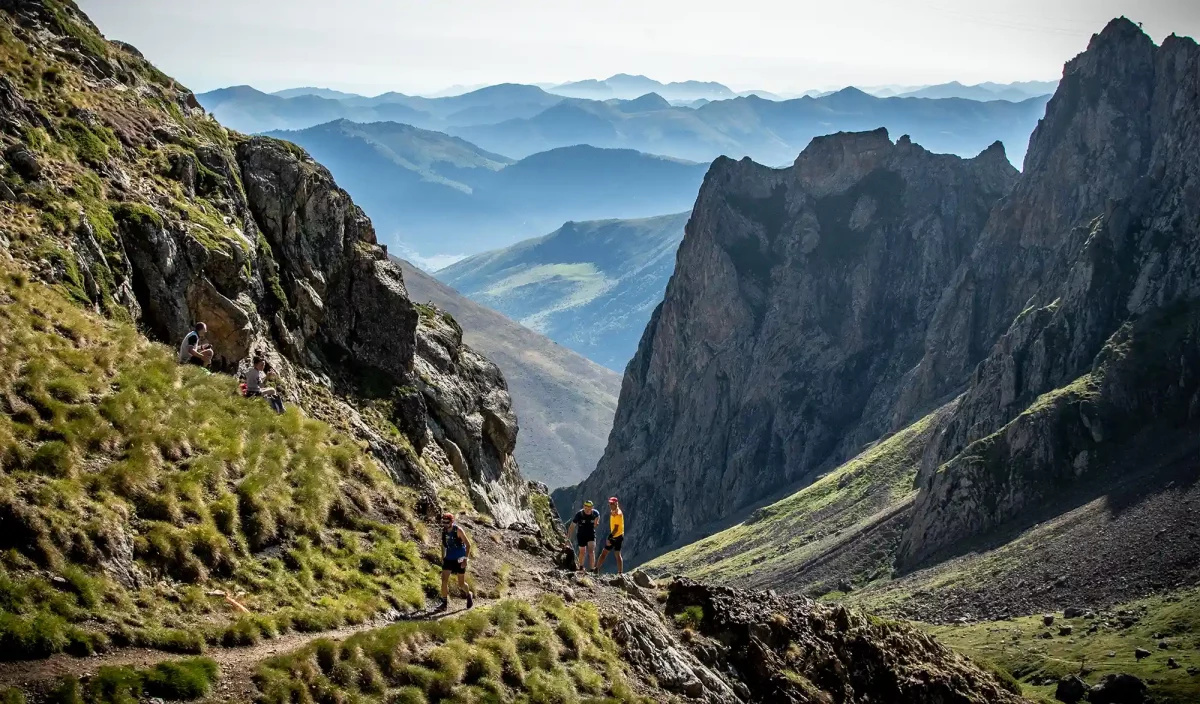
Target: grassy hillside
<point x="849" y="510"/>
<point x="590" y="286"/>
<point x="1093" y="645"/>
<point x="565" y="403"/>
<point x="513" y="651"/>
<point x="134" y="488"/>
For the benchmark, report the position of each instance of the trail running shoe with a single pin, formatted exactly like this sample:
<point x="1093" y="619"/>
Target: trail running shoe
<point x="470" y="600"/>
<point x="443" y="606"/>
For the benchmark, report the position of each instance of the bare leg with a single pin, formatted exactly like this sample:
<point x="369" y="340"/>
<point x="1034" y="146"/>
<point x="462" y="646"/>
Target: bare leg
<point x="579" y="561"/>
<point x="600" y="561"/>
<point x="591" y="553"/>
<point x="620" y="563"/>
<point x="462" y="585"/>
<point x="445" y="585"/>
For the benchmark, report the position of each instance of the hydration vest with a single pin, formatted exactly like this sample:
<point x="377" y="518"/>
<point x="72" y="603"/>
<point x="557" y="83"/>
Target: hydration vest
<point x="453" y="544"/>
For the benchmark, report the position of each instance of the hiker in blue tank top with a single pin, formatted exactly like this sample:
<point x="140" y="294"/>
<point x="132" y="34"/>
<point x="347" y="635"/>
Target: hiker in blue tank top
<point x="456" y="548"/>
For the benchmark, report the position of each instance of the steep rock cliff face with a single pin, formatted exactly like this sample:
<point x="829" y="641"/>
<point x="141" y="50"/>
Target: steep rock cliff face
<point x="156" y="213"/>
<point x="800" y="298"/>
<point x="1060" y="349"/>
<point x="1124" y="245"/>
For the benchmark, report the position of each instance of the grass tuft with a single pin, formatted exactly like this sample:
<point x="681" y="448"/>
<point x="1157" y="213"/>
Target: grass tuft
<point x="508" y="652"/>
<point x="104" y="431"/>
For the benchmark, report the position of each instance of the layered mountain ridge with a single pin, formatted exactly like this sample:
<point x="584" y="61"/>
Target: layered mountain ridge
<point x="430" y="194"/>
<point x="518" y="121"/>
<point x="590" y="285"/>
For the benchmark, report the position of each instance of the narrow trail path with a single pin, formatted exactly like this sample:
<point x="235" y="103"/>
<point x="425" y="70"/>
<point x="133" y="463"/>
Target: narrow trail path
<point x="237" y="664"/>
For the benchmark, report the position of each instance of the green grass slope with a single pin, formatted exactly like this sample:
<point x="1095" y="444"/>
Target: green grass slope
<point x="1168" y="627"/>
<point x="547" y="653"/>
<point x="590" y="286"/>
<point x="848" y="516"/>
<point x="133" y="489"/>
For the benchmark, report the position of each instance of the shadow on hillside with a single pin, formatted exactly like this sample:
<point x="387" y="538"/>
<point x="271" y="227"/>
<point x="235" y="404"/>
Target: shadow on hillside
<point x="1139" y="471"/>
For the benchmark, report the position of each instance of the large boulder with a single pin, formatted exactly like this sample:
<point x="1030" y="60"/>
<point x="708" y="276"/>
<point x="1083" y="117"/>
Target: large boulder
<point x="1119" y="689"/>
<point x="1070" y="689"/>
<point x="24" y="161"/>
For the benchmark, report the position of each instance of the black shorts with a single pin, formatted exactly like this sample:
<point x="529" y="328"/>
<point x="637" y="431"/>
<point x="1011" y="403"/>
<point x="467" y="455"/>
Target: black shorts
<point x="614" y="544"/>
<point x="585" y="539"/>
<point x="196" y="360"/>
<point x="453" y="566"/>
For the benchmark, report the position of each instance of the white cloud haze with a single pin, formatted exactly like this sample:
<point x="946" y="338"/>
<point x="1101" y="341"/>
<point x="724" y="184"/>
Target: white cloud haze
<point x="371" y="46"/>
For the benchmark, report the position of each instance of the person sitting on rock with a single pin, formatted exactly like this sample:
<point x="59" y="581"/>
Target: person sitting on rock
<point x="585" y="519"/>
<point x="616" y="536"/>
<point x="256" y="376"/>
<point x="193" y="351"/>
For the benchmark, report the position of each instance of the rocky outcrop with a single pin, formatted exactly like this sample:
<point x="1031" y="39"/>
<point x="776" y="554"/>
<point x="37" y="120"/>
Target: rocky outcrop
<point x="470" y="418"/>
<point x="797" y="650"/>
<point x="163" y="217"/>
<point x="653" y="651"/>
<point x="1103" y="229"/>
<point x="340" y="289"/>
<point x="800" y="300"/>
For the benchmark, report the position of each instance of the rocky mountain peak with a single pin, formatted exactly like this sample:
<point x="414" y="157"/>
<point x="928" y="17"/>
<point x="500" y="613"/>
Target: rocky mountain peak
<point x="1098" y="229"/>
<point x="829" y="164"/>
<point x="790" y="318"/>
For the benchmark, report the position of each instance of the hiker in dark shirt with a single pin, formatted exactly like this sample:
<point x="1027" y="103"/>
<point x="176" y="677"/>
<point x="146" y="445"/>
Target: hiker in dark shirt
<point x="585" y="520"/>
<point x="256" y="377"/>
<point x="456" y="550"/>
<point x="193" y="351"/>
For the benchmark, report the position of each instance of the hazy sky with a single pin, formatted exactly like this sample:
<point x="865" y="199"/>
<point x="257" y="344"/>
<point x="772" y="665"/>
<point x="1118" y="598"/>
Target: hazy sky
<point x="371" y="46"/>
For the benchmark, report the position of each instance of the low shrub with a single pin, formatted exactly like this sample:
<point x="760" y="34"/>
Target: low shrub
<point x="690" y="617"/>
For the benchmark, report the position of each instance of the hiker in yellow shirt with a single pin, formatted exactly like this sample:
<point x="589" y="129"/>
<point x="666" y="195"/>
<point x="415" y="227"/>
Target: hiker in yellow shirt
<point x="616" y="536"/>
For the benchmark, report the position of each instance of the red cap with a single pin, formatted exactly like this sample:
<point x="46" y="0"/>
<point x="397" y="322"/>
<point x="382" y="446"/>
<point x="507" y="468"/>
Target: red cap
<point x="612" y="500"/>
<point x="447" y="516"/>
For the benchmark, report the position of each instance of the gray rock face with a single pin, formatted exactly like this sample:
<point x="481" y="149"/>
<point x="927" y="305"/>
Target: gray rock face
<point x="652" y="650"/>
<point x="341" y="288"/>
<point x="799" y="301"/>
<point x="277" y="260"/>
<point x="470" y="418"/>
<point x="1066" y="325"/>
<point x="793" y="649"/>
<point x="1102" y="229"/>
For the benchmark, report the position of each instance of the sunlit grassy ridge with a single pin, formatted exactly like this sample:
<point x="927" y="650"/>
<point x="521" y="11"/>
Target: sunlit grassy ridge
<point x="547" y="653"/>
<point x="1033" y="652"/>
<point x="790" y="531"/>
<point x="131" y="486"/>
